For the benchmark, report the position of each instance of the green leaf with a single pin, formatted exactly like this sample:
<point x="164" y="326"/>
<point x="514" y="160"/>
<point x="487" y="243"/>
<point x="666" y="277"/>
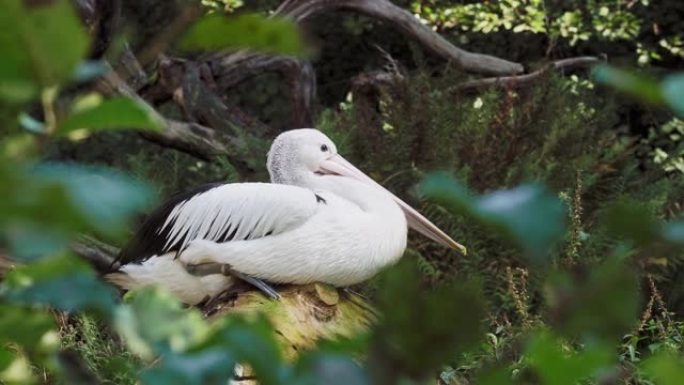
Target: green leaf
<point x="252" y="342"/>
<point x="556" y="366"/>
<point x="89" y="70"/>
<point x="601" y="303"/>
<point x="65" y="283"/>
<point x="665" y="369"/>
<point x="209" y="366"/>
<point x="332" y="369"/>
<point x="673" y="232"/>
<point x="44" y="206"/>
<point x="117" y="113"/>
<point x="250" y="31"/>
<point x="106" y="198"/>
<point x="26" y="327"/>
<point x="639" y="86"/>
<point x="673" y="92"/>
<point x="154" y="322"/>
<point x="421" y="329"/>
<point x="529" y="215"/>
<point x="30" y="124"/>
<point x="41" y="43"/>
<point x="632" y="221"/>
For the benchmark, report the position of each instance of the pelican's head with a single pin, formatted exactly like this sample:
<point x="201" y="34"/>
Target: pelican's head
<point x="298" y="155"/>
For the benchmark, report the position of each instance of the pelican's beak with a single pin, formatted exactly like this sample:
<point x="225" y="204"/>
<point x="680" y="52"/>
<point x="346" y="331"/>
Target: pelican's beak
<point x="337" y="165"/>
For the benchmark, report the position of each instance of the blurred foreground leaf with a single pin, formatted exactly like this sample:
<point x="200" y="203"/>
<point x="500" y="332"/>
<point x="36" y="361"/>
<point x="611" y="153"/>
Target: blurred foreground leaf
<point x="207" y="367"/>
<point x="26" y="327"/>
<point x="255" y="32"/>
<point x="636" y="85"/>
<point x="116" y="113"/>
<point x="332" y="369"/>
<point x="253" y="342"/>
<point x="154" y="322"/>
<point x="597" y="304"/>
<point x="557" y="365"/>
<point x="631" y="220"/>
<point x="529" y="215"/>
<point x="44" y="206"/>
<point x="668" y="92"/>
<point x="665" y="369"/>
<point x="420" y="330"/>
<point x="673" y="92"/>
<point x="41" y="45"/>
<point x="66" y="283"/>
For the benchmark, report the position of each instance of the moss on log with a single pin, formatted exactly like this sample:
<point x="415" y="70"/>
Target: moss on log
<point x="304" y="314"/>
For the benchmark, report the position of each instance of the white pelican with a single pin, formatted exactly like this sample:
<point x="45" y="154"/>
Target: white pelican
<point x="320" y="220"/>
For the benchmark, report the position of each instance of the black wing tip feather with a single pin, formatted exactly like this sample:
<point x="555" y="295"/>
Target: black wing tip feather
<point x="148" y="239"/>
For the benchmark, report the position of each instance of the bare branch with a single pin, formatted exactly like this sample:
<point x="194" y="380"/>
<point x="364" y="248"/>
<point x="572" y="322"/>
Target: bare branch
<point x="509" y="82"/>
<point x="192" y="138"/>
<point x="300" y="10"/>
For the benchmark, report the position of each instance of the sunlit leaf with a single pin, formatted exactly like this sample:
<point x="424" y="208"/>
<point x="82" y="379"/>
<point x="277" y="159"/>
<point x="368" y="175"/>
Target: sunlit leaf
<point x="66" y="283"/>
<point x="246" y="31"/>
<point x="117" y="113"/>
<point x="41" y="44"/>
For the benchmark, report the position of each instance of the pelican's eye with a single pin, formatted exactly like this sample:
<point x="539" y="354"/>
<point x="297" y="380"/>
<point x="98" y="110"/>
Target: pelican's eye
<point x="324" y="147"/>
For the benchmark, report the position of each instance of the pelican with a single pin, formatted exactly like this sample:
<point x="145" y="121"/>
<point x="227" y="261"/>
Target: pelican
<point x="319" y="220"/>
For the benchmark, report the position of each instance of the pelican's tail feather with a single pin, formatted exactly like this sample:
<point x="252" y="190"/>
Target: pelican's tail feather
<point x="165" y="271"/>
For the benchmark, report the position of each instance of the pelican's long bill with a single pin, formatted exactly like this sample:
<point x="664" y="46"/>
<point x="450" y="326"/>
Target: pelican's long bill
<point x="340" y="166"/>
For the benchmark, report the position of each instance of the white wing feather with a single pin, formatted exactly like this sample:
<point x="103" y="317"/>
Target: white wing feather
<point x="245" y="210"/>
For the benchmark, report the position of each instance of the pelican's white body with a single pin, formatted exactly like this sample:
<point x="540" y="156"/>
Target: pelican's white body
<point x="342" y="239"/>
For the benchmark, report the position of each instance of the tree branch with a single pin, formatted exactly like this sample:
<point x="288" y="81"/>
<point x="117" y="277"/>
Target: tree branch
<point x="509" y="82"/>
<point x="193" y="138"/>
<point x="300" y="10"/>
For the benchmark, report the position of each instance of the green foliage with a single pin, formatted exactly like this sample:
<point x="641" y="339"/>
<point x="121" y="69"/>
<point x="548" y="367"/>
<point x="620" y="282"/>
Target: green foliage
<point x="65" y="283"/>
<point x="41" y="43"/>
<point x="528" y="214"/>
<point x="110" y="114"/>
<point x="572" y="322"/>
<point x="255" y="32"/>
<point x="625" y="24"/>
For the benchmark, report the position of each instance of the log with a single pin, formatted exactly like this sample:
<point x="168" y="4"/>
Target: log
<point x="304" y="315"/>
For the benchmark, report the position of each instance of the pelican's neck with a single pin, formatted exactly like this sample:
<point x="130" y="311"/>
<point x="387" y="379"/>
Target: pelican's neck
<point x="369" y="198"/>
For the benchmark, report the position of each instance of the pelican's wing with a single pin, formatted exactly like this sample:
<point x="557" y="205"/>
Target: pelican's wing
<point x="221" y="213"/>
